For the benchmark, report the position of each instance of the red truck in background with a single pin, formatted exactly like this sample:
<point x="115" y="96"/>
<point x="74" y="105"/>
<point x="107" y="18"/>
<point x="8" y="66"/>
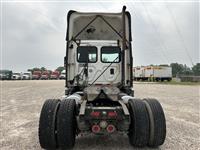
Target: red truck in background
<point x="45" y="75"/>
<point x="36" y="75"/>
<point x="55" y="75"/>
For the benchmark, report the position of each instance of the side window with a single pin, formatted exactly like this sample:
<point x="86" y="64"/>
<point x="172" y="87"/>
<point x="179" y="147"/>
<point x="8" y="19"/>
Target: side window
<point x="110" y="54"/>
<point x="87" y="54"/>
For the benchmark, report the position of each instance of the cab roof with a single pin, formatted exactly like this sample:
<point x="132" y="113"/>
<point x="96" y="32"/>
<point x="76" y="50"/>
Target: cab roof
<point x="97" y="26"/>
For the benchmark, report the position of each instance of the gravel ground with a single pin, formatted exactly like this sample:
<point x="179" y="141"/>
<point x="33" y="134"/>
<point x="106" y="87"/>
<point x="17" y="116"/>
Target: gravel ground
<point x="21" y="102"/>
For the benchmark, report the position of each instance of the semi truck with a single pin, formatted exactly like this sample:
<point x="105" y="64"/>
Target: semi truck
<point x="152" y="73"/>
<point x="55" y="75"/>
<point x="62" y="75"/>
<point x="27" y="76"/>
<point x="5" y="74"/>
<point x="36" y="75"/>
<point x="16" y="76"/>
<point x="99" y="95"/>
<point x="45" y="75"/>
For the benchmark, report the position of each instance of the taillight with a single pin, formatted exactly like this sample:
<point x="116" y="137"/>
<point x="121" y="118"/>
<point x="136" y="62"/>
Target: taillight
<point x="96" y="129"/>
<point x="110" y="128"/>
<point x="95" y="114"/>
<point x="112" y="114"/>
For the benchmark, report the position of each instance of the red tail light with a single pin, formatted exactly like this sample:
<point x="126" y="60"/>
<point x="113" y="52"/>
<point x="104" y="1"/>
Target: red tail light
<point x="95" y="114"/>
<point x="96" y="129"/>
<point x="110" y="128"/>
<point x="112" y="114"/>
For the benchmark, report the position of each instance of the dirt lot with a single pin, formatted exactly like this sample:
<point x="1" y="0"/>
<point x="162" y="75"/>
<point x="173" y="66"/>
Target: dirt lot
<point x="21" y="102"/>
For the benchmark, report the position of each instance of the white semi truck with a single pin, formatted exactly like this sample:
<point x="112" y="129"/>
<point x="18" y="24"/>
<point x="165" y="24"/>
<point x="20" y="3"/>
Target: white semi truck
<point x="152" y="73"/>
<point x="16" y="76"/>
<point x="99" y="96"/>
<point x="27" y="76"/>
<point x="62" y="75"/>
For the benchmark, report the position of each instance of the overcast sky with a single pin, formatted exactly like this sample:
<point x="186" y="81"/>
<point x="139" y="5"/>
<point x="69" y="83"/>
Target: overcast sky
<point x="33" y="34"/>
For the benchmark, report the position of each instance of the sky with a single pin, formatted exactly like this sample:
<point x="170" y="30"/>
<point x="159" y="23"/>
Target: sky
<point x="33" y="32"/>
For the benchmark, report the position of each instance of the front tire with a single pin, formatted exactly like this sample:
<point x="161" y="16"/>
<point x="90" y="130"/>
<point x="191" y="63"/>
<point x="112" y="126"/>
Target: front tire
<point x="157" y="122"/>
<point x="66" y="124"/>
<point x="139" y="127"/>
<point x="47" y="126"/>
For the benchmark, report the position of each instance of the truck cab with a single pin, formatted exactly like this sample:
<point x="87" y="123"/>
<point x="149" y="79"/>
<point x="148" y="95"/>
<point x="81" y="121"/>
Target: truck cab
<point x="5" y="74"/>
<point x="97" y="55"/>
<point x="45" y="75"/>
<point x="55" y="75"/>
<point x="62" y="75"/>
<point x="27" y="76"/>
<point x="16" y="76"/>
<point x="36" y="75"/>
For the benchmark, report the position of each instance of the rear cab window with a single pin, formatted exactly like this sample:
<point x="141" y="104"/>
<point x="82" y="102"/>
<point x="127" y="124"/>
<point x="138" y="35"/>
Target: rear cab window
<point x="87" y="54"/>
<point x="110" y="54"/>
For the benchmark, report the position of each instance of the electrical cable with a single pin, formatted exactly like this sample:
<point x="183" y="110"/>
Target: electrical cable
<point x="179" y="34"/>
<point x="162" y="44"/>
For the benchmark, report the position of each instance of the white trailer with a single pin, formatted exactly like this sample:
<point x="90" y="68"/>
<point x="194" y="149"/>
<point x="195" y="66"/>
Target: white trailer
<point x="138" y="73"/>
<point x="152" y="73"/>
<point x="162" y="73"/>
<point x="148" y="72"/>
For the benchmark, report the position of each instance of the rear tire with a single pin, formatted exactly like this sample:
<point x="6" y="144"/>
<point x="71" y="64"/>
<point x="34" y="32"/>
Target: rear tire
<point x="47" y="126"/>
<point x="139" y="127"/>
<point x="66" y="124"/>
<point x="157" y="122"/>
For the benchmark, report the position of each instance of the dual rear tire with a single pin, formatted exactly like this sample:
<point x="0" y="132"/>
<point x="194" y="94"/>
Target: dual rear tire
<point x="148" y="127"/>
<point x="157" y="122"/>
<point x="57" y="125"/>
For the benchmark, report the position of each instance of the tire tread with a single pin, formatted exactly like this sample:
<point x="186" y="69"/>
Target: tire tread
<point x="139" y="127"/>
<point x="47" y="127"/>
<point x="159" y="122"/>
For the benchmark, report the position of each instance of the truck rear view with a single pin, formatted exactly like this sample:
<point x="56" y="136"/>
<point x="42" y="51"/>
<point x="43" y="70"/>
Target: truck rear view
<point x="99" y="96"/>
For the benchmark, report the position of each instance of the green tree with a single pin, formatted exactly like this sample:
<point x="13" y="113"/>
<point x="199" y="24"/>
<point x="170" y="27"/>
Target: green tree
<point x="34" y="69"/>
<point x="187" y="70"/>
<point x="176" y="69"/>
<point x="196" y="69"/>
<point x="30" y="70"/>
<point x="60" y="69"/>
<point x="49" y="71"/>
<point x="43" y="69"/>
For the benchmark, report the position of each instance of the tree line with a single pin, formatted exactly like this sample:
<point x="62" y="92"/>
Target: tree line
<point x="60" y="69"/>
<point x="183" y="69"/>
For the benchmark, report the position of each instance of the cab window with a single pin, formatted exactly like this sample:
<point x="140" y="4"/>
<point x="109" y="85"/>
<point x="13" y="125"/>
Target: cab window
<point x="110" y="54"/>
<point x="87" y="54"/>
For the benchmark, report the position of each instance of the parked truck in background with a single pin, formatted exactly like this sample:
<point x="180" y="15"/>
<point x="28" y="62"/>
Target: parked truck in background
<point x="62" y="75"/>
<point x="16" y="76"/>
<point x="152" y="73"/>
<point x="5" y="74"/>
<point x="36" y="75"/>
<point x="45" y="75"/>
<point x="55" y="75"/>
<point x="27" y="76"/>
